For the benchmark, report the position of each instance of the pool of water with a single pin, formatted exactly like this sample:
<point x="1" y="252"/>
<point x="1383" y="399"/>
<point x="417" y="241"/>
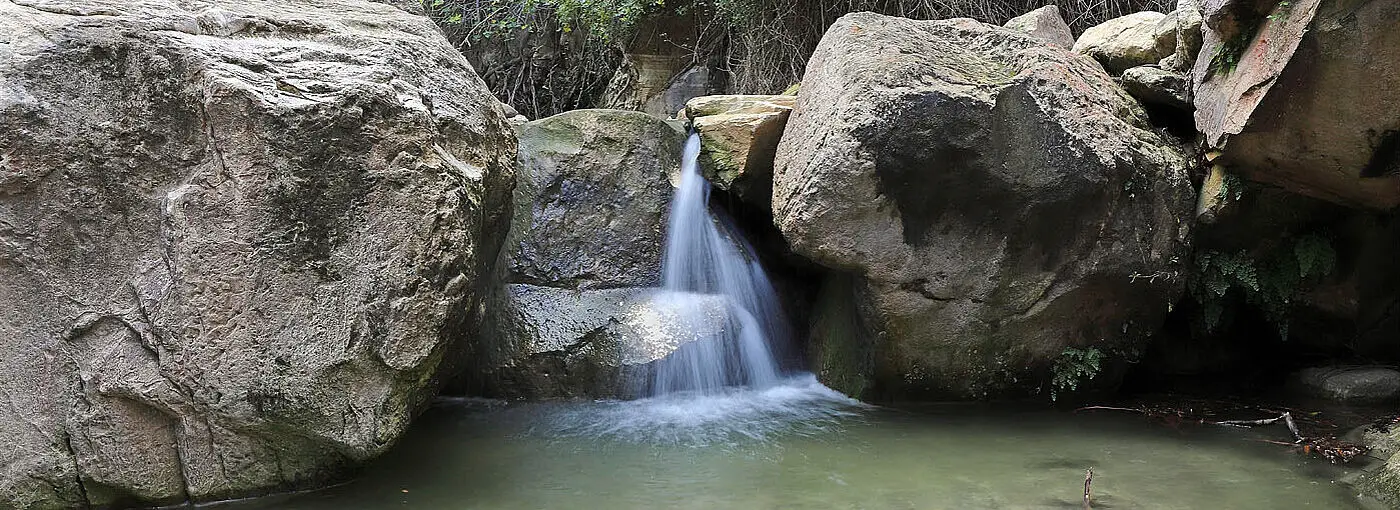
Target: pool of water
<point x="801" y="446"/>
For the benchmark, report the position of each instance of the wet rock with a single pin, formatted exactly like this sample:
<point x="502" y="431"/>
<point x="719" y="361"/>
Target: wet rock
<point x="594" y="343"/>
<point x="1351" y="384"/>
<point x="1129" y="41"/>
<point x="954" y="169"/>
<point x="1303" y="95"/>
<point x="739" y="135"/>
<point x="592" y="199"/>
<point x="1045" y="24"/>
<point x="585" y="245"/>
<point x="238" y="241"/>
<point x="1156" y="86"/>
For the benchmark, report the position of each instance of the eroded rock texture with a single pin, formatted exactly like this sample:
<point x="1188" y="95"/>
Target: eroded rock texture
<point x="992" y="200"/>
<point x="237" y="240"/>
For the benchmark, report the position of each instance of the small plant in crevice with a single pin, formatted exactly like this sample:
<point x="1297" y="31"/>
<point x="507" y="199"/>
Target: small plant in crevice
<point x="1073" y="367"/>
<point x="1247" y="25"/>
<point x="1268" y="282"/>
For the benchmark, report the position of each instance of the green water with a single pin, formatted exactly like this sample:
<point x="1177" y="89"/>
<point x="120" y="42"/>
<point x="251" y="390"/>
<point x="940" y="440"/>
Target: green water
<point x="471" y="455"/>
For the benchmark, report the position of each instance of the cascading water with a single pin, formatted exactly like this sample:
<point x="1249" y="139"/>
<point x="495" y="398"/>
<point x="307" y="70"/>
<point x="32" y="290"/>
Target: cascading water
<point x="705" y="259"/>
<point x="708" y="338"/>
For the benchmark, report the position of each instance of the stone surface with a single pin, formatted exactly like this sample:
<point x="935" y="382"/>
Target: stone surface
<point x="238" y="240"/>
<point x="739" y="135"/>
<point x="1156" y="86"/>
<point x="996" y="200"/>
<point x="1351" y="384"/>
<point x="585" y="245"/>
<point x="1045" y="24"/>
<point x="738" y="103"/>
<point x="1129" y="41"/>
<point x="1380" y="481"/>
<point x="1188" y="37"/>
<point x="1305" y="97"/>
<point x="592" y="199"/>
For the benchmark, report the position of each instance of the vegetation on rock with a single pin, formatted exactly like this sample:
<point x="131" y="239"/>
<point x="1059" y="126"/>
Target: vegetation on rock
<point x="1267" y="282"/>
<point x="1073" y="367"/>
<point x="765" y="44"/>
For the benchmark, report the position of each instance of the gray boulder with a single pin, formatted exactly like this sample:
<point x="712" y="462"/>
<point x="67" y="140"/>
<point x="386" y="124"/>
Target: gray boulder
<point x="584" y="248"/>
<point x="1045" y="24"/>
<point x="1351" y="384"/>
<point x="238" y="241"/>
<point x="1154" y="85"/>
<point x="993" y="200"/>
<point x="592" y="200"/>
<point x="1137" y="39"/>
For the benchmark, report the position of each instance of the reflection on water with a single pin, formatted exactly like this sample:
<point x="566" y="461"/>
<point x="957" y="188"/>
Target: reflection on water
<point x="801" y="446"/>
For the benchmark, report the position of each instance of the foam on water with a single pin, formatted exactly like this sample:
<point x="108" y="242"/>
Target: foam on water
<point x="796" y="406"/>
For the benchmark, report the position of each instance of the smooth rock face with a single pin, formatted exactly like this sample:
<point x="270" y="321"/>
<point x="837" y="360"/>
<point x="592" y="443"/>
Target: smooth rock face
<point x="1045" y="24"/>
<point x="237" y="241"/>
<point x="585" y="246"/>
<point x="1310" y="101"/>
<point x="739" y="136"/>
<point x="1154" y="85"/>
<point x="1137" y="39"/>
<point x="996" y="200"/>
<point x="1351" y="384"/>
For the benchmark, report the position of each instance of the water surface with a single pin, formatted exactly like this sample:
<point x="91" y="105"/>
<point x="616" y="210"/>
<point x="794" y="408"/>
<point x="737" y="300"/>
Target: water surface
<point x="801" y="446"/>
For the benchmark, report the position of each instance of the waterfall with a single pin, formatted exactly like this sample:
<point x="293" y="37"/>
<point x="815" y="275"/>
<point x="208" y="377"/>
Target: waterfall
<point x="706" y="258"/>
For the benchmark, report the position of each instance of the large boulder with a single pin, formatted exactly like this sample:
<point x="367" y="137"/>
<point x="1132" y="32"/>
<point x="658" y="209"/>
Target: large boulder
<point x="238" y="240"/>
<point x="1045" y="24"/>
<point x="1304" y="95"/>
<point x="1129" y="41"/>
<point x="1357" y="385"/>
<point x="585" y="246"/>
<point x="994" y="200"/>
<point x="738" y="138"/>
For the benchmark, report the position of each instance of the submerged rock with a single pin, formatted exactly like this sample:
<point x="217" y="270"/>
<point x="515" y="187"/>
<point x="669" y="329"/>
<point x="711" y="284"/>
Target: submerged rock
<point x="586" y="241"/>
<point x="1304" y="95"/>
<point x="739" y="135"/>
<point x="1137" y="39"/>
<point x="1045" y="24"/>
<point x="238" y="241"/>
<point x="994" y="200"/>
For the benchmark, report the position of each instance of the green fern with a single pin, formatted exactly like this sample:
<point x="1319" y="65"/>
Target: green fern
<point x="1072" y="367"/>
<point x="1269" y="283"/>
